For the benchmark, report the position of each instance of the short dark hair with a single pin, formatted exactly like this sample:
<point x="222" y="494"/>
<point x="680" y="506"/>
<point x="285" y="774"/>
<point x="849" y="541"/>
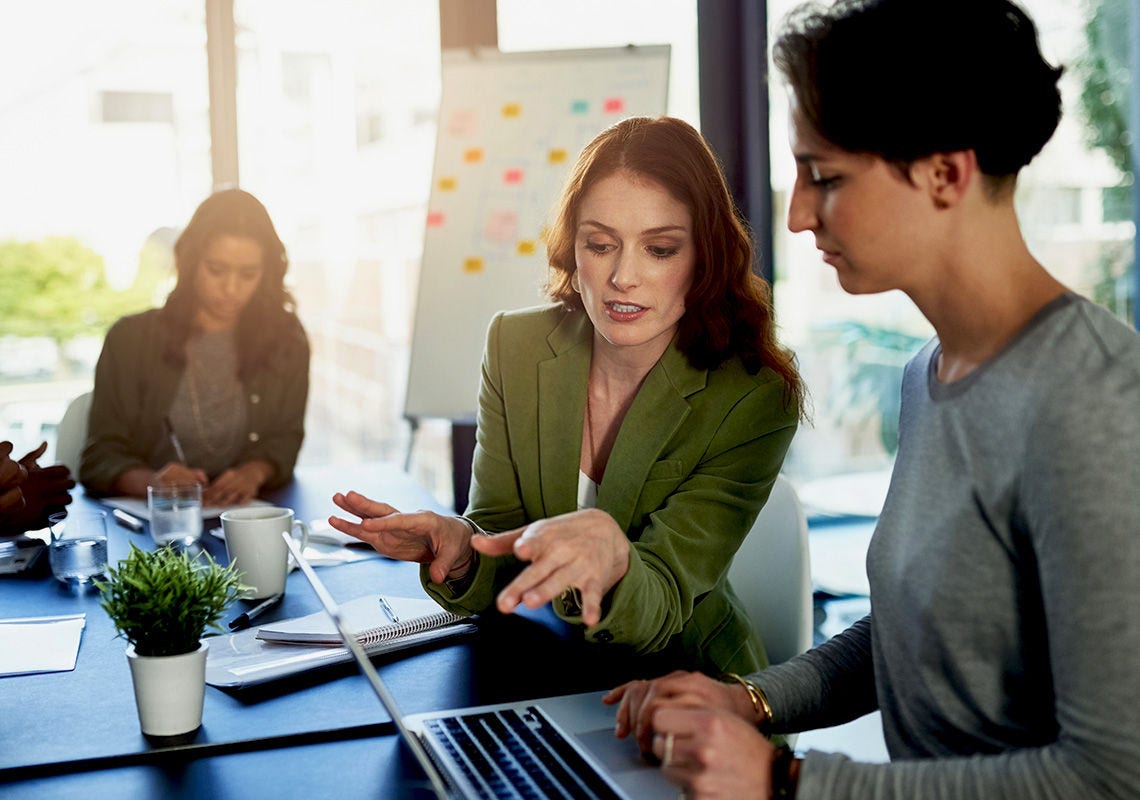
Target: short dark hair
<point x="728" y="309"/>
<point x="903" y="79"/>
<point x="268" y="322"/>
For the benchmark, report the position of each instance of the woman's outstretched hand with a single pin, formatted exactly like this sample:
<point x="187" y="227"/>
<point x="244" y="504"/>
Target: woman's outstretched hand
<point x="424" y="537"/>
<point x="583" y="550"/>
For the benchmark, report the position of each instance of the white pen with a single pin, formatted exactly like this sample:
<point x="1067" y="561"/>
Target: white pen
<point x="388" y="610"/>
<point x="174" y="441"/>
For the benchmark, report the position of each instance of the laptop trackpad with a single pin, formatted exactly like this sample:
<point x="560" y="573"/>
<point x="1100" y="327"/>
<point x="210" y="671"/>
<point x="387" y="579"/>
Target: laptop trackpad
<point x="621" y="759"/>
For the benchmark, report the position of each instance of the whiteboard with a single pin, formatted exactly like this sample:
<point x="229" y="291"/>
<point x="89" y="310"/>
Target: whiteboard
<point x="511" y="126"/>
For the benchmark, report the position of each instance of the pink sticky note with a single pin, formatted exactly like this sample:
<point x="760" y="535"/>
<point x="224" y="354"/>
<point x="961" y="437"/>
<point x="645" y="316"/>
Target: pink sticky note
<point x="462" y="122"/>
<point x="435" y="219"/>
<point x="513" y="175"/>
<point x="613" y="105"/>
<point x="501" y="226"/>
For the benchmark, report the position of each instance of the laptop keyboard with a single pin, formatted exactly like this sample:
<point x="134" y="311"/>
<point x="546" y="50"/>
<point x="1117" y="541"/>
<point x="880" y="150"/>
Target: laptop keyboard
<point x="516" y="753"/>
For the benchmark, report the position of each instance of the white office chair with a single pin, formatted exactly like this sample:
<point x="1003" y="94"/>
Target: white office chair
<point x="771" y="574"/>
<point x="71" y="433"/>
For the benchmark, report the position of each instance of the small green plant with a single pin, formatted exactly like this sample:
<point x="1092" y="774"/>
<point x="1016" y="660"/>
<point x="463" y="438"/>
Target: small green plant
<point x="163" y="601"/>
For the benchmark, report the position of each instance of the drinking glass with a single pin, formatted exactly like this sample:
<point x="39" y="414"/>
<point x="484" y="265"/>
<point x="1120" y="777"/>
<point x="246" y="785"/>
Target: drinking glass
<point x="78" y="546"/>
<point x="175" y="513"/>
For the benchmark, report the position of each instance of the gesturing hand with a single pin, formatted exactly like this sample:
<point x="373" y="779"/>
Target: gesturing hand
<point x="585" y="550"/>
<point x="12" y="474"/>
<point x="421" y="536"/>
<point x="46" y="490"/>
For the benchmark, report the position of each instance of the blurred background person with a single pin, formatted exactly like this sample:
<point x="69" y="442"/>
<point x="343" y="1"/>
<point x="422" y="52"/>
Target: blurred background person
<point x="220" y="371"/>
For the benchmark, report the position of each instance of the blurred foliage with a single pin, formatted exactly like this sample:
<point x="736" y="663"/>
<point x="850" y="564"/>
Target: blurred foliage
<point x="1106" y="80"/>
<point x="57" y="287"/>
<point x="1106" y="88"/>
<point x="871" y="377"/>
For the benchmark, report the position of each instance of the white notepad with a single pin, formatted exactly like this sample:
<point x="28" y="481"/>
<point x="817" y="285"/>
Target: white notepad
<point x="367" y="616"/>
<point x="40" y="644"/>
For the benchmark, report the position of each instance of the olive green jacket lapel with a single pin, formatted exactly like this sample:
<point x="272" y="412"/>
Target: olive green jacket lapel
<point x="658" y="410"/>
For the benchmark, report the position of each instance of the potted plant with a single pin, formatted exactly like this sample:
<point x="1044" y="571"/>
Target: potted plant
<point x="162" y="602"/>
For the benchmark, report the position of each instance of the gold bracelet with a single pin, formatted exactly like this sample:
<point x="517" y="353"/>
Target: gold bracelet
<point x="759" y="700"/>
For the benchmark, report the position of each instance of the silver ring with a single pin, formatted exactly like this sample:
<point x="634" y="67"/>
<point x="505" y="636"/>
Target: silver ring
<point x="667" y="759"/>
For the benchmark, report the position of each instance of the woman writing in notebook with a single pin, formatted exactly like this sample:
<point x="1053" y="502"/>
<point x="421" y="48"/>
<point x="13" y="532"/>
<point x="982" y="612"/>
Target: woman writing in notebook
<point x="221" y="371"/>
<point x="629" y="434"/>
<point x="1003" y="645"/>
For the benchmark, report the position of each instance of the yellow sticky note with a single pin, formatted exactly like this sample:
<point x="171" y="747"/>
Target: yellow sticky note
<point x="473" y="155"/>
<point x="526" y="247"/>
<point x="472" y="264"/>
<point x="556" y="156"/>
<point x="447" y="184"/>
<point x="512" y="109"/>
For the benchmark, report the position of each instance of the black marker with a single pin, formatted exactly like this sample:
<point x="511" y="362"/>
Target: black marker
<point x="243" y="620"/>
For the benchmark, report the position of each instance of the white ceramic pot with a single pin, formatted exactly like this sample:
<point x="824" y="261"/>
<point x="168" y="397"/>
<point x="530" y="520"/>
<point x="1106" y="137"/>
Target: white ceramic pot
<point x="169" y="691"/>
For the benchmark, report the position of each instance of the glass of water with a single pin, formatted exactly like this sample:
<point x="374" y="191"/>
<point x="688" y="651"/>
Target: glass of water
<point x="175" y="513"/>
<point x="78" y="547"/>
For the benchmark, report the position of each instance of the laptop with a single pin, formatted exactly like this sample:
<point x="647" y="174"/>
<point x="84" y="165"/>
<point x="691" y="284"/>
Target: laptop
<point x="557" y="747"/>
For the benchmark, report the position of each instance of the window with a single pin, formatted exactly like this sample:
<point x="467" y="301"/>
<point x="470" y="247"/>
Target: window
<point x="336" y="105"/>
<point x="92" y="186"/>
<point x="138" y="106"/>
<point x="1074" y="202"/>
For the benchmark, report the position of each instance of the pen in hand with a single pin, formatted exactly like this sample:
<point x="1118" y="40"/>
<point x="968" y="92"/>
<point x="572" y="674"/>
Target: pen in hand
<point x="244" y="619"/>
<point x="388" y="610"/>
<point x="177" y="445"/>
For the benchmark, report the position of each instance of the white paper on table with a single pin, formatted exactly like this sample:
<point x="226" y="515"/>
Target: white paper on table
<point x="40" y="644"/>
<point x="138" y="508"/>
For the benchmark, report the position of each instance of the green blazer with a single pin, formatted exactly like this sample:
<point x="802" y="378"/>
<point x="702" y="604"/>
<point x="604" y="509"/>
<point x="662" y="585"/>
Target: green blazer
<point x="692" y="465"/>
<point x="135" y="385"/>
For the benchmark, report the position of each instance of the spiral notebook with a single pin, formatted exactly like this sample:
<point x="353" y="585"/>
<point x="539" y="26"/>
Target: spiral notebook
<point x="375" y="619"/>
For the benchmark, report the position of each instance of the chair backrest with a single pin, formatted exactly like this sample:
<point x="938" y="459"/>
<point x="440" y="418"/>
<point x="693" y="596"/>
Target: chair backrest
<point x="771" y="574"/>
<point x="71" y="433"/>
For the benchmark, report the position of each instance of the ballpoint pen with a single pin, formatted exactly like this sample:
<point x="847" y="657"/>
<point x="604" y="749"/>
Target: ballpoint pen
<point x="243" y="620"/>
<point x="177" y="445"/>
<point x="388" y="610"/>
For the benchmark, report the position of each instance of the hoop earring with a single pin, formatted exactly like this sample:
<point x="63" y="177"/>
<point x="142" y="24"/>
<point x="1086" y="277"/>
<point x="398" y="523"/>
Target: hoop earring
<point x="575" y="283"/>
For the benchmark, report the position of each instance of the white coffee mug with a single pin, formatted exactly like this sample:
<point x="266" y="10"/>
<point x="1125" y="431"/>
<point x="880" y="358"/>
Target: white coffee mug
<point x="254" y="543"/>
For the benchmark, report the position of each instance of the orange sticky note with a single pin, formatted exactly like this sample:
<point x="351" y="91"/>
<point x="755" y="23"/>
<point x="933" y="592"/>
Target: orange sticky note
<point x="513" y="175"/>
<point x="613" y="105"/>
<point x="472" y="265"/>
<point x="474" y="155"/>
<point x="447" y="184"/>
<point x="512" y="110"/>
<point x="556" y="156"/>
<point x="435" y="219"/>
<point x="526" y="247"/>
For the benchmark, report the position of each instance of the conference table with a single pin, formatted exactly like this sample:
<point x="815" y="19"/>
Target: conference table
<point x="319" y="733"/>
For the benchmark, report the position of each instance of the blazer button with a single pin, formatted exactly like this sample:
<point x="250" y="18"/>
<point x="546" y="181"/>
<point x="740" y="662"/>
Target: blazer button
<point x="255" y="398"/>
<point x="253" y="437"/>
<point x="603" y="636"/>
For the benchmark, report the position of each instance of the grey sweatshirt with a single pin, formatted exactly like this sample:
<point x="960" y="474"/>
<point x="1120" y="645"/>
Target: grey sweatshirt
<point x="1003" y="644"/>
